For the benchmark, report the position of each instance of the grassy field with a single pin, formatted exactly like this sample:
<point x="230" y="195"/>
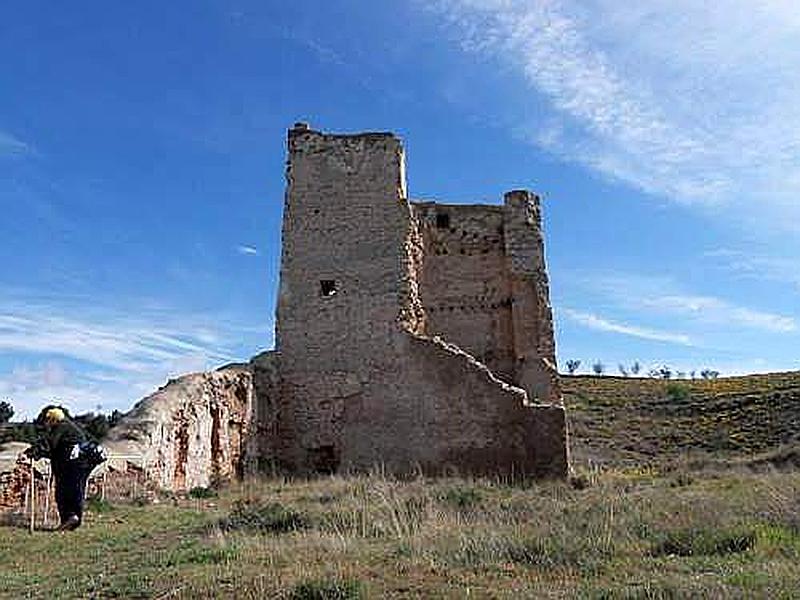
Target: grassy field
<point x="636" y="521"/>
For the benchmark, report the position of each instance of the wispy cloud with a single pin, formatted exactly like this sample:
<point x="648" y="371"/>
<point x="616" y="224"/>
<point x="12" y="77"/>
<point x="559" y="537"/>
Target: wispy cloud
<point x="653" y="296"/>
<point x="11" y="146"/>
<point x="781" y="269"/>
<point x="247" y="250"/>
<point x="715" y="310"/>
<point x="601" y="324"/>
<point x="123" y="346"/>
<point x="689" y="100"/>
<point x="86" y="358"/>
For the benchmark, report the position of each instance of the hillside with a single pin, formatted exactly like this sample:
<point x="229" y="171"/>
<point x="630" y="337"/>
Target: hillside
<point x="626" y="421"/>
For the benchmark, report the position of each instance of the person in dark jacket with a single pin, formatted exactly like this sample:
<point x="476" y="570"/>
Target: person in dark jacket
<point x="60" y="440"/>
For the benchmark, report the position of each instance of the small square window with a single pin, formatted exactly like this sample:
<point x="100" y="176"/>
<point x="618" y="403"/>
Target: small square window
<point x="327" y="288"/>
<point x="442" y="221"/>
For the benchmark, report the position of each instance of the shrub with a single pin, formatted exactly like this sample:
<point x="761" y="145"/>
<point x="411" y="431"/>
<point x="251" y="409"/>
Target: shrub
<point x="201" y="492"/>
<point x="6" y="411"/>
<point x="98" y="505"/>
<point x="463" y="498"/>
<point x="267" y="518"/>
<point x="572" y="366"/>
<point x="705" y="542"/>
<point x="677" y="392"/>
<point x="328" y="590"/>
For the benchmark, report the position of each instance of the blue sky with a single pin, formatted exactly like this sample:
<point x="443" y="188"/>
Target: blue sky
<point x="142" y="158"/>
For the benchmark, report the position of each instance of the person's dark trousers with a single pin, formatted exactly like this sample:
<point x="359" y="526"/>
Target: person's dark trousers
<point x="70" y="488"/>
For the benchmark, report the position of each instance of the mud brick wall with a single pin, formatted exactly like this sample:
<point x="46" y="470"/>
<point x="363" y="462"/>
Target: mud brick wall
<point x="464" y="286"/>
<point x="390" y="353"/>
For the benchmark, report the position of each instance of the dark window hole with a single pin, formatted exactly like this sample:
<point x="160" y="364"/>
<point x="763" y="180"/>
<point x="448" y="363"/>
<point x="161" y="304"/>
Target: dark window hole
<point x="327" y="288"/>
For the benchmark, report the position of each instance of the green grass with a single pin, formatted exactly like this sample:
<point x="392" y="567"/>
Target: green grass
<point x="628" y="533"/>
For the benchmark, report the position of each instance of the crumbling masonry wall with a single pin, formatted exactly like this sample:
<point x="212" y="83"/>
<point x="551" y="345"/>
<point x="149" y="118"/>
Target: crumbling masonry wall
<point x="193" y="432"/>
<point x="483" y="286"/>
<point x="412" y="336"/>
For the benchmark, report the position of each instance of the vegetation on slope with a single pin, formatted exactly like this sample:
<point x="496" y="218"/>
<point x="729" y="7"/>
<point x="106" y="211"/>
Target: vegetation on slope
<point x="632" y="421"/>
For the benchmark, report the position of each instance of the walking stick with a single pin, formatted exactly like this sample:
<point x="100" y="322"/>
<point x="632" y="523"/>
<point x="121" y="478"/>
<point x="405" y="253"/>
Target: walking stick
<point x="33" y="497"/>
<point x="47" y="500"/>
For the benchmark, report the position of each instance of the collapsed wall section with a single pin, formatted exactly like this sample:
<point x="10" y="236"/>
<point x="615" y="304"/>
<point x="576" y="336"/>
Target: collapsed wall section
<point x="464" y="287"/>
<point x="483" y="286"/>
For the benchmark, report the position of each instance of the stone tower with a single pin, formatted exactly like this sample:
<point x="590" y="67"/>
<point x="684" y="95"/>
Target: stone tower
<point x="409" y="335"/>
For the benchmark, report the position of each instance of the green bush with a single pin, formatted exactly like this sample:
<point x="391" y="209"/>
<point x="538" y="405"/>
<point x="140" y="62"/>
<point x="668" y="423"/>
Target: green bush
<point x="98" y="505"/>
<point x="201" y="492"/>
<point x="348" y="589"/>
<point x="704" y="542"/>
<point x="463" y="498"/>
<point x="678" y="392"/>
<point x="267" y="518"/>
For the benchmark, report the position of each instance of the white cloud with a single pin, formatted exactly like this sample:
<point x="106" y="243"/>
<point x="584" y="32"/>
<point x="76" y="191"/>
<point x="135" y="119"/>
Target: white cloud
<point x="715" y="310"/>
<point x="690" y="100"/>
<point x="781" y="269"/>
<point x="653" y="296"/>
<point x="11" y="146"/>
<point x="248" y="250"/>
<point x="124" y="346"/>
<point x="595" y="322"/>
<point x="87" y="359"/>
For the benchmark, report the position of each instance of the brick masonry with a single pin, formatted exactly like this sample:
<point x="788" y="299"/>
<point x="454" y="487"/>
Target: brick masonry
<point x="415" y="336"/>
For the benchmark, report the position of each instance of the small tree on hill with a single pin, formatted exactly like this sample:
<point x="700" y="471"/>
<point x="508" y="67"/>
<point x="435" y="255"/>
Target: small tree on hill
<point x="598" y="368"/>
<point x="622" y="370"/>
<point x="635" y="368"/>
<point x="572" y="366"/>
<point x="709" y="374"/>
<point x="6" y="411"/>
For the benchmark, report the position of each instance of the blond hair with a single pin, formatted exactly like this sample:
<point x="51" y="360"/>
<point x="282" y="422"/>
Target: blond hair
<point x="54" y="415"/>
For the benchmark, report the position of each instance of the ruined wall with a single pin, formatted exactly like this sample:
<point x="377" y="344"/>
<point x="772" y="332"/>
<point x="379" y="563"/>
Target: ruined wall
<point x="413" y="336"/>
<point x="192" y="432"/>
<point x="464" y="285"/>
<point x="361" y="382"/>
<point x="344" y="233"/>
<point x="534" y="340"/>
<point x="14" y="475"/>
<point x="264" y="441"/>
<point x="483" y="286"/>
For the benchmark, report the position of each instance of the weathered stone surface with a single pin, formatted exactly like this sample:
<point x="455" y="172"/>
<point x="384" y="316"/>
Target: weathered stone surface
<point x="368" y="280"/>
<point x="192" y="432"/>
<point x="14" y="475"/>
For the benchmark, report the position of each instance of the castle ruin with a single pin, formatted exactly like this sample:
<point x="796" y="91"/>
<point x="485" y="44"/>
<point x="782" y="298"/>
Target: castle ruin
<point x="414" y="335"/>
<point x="411" y="336"/>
